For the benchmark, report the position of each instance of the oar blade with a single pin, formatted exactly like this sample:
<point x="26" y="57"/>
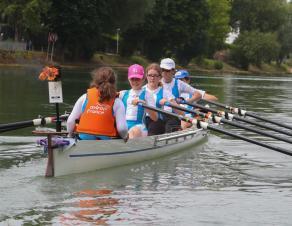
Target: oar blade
<point x="272" y="147"/>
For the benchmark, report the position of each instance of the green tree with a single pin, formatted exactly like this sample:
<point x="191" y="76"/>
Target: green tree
<point x="218" y="27"/>
<point x="173" y="28"/>
<point x="34" y="14"/>
<point x="84" y="26"/>
<point x="24" y="16"/>
<point x="261" y="15"/>
<point x="12" y="14"/>
<point x="78" y="24"/>
<point x="285" y="36"/>
<point x="254" y="48"/>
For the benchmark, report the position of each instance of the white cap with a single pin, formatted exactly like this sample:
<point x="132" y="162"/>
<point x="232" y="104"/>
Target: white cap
<point x="167" y="64"/>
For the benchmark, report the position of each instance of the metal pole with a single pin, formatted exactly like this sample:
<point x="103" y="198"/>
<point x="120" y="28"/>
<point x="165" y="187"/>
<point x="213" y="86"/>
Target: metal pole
<point x="118" y="30"/>
<point x="58" y="121"/>
<point x="52" y="53"/>
<point x="48" y="50"/>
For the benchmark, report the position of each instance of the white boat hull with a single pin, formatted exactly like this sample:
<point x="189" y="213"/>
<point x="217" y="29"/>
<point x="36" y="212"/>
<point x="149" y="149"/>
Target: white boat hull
<point x="88" y="155"/>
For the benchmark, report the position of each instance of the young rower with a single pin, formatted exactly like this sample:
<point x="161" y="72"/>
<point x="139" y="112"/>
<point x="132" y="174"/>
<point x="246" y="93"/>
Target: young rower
<point x="176" y="87"/>
<point x="101" y="115"/>
<point x="135" y="113"/>
<point x="184" y="76"/>
<point x="159" y="97"/>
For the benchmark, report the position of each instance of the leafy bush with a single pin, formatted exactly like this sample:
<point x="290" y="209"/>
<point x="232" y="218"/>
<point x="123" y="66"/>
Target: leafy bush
<point x="254" y="48"/>
<point x="139" y="60"/>
<point x="218" y="65"/>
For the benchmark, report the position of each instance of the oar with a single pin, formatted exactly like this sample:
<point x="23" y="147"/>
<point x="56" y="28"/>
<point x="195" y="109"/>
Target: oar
<point x="232" y="116"/>
<point x="205" y="125"/>
<point x="23" y="124"/>
<point x="218" y="119"/>
<point x="242" y="112"/>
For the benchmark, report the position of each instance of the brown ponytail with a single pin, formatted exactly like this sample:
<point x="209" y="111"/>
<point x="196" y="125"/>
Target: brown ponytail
<point x="104" y="79"/>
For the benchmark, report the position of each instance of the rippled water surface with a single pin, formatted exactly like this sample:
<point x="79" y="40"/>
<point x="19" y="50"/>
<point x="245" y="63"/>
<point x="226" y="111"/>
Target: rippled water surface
<point x="223" y="181"/>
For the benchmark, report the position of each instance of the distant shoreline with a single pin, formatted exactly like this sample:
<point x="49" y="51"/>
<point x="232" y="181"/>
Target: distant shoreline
<point x="38" y="59"/>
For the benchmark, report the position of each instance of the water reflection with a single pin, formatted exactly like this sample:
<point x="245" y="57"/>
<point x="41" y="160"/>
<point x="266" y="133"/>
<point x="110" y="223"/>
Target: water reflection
<point x="88" y="206"/>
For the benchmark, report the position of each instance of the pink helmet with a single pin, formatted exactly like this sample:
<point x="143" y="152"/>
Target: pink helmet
<point x="136" y="71"/>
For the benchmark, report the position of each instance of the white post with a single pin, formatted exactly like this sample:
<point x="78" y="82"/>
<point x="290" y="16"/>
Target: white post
<point x="118" y="31"/>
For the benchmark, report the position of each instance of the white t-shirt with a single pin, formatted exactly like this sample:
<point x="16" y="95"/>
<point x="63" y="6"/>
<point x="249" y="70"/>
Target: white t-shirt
<point x="132" y="110"/>
<point x="119" y="113"/>
<point x="151" y="96"/>
<point x="182" y="87"/>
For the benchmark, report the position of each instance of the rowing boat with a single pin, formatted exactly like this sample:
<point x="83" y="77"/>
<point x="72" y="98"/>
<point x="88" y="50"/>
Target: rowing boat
<point x="79" y="156"/>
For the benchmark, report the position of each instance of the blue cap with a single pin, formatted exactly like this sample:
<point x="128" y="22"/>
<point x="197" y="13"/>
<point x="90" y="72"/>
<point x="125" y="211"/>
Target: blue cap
<point x="182" y="74"/>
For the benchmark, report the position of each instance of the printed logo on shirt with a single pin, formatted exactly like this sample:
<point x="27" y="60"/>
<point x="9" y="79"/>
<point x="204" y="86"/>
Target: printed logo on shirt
<point x="98" y="109"/>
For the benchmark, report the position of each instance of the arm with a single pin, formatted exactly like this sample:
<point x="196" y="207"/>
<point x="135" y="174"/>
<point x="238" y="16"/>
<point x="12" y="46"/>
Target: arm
<point x="152" y="114"/>
<point x="120" y="115"/>
<point x="210" y="97"/>
<point x="197" y="94"/>
<point x="168" y="97"/>
<point x="195" y="97"/>
<point x="75" y="114"/>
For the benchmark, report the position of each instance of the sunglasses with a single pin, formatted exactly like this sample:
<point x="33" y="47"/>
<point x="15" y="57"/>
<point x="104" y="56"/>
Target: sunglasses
<point x="165" y="70"/>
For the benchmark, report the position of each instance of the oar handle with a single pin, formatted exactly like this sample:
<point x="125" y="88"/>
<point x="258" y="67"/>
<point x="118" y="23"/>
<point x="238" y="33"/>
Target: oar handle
<point x="23" y="124"/>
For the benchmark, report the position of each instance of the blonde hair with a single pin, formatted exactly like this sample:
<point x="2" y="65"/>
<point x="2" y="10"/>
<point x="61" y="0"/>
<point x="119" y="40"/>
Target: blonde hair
<point x="104" y="79"/>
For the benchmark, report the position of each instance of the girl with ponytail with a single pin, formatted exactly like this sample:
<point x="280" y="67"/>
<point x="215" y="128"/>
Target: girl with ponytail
<point x="100" y="114"/>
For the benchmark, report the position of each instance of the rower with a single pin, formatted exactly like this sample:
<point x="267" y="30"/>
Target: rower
<point x="158" y="96"/>
<point x="101" y="115"/>
<point x="176" y="87"/>
<point x="184" y="75"/>
<point x="130" y="98"/>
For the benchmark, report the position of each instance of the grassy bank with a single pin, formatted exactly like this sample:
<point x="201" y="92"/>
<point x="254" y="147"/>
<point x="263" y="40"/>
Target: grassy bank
<point x="206" y="66"/>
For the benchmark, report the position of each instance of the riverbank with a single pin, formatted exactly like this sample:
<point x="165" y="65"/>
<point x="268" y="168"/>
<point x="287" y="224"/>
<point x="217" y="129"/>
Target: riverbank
<point x="205" y="66"/>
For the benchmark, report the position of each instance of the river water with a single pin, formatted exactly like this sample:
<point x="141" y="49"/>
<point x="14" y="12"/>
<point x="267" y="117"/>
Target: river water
<point x="221" y="182"/>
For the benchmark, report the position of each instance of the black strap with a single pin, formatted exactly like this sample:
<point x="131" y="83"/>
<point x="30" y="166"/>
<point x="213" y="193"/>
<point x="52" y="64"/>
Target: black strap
<point x="226" y="115"/>
<point x="213" y="119"/>
<point x="199" y="124"/>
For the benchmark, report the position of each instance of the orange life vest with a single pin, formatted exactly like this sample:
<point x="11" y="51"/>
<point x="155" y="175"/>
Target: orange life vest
<point x="97" y="118"/>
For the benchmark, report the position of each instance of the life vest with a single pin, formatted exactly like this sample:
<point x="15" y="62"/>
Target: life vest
<point x="159" y="96"/>
<point x="140" y="110"/>
<point x="175" y="91"/>
<point x="97" y="118"/>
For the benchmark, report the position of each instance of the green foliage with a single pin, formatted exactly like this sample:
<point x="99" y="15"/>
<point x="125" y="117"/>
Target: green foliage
<point x="127" y="13"/>
<point x="254" y="48"/>
<point x="261" y="15"/>
<point x="155" y="28"/>
<point x="218" y="65"/>
<point x="78" y="25"/>
<point x="139" y="60"/>
<point x="34" y="13"/>
<point x="218" y="27"/>
<point x="173" y="29"/>
<point x="24" y="16"/>
<point x="285" y="35"/>
<point x="85" y="26"/>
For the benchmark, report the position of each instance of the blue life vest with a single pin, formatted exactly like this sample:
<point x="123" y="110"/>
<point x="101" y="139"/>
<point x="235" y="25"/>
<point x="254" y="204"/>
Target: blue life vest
<point x="140" y="112"/>
<point x="159" y="97"/>
<point x="175" y="91"/>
